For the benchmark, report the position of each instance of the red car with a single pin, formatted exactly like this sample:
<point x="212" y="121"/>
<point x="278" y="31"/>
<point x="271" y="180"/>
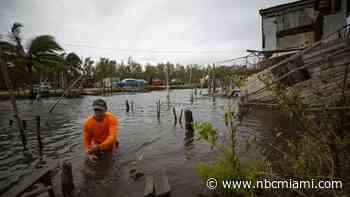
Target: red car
<point x="157" y="82"/>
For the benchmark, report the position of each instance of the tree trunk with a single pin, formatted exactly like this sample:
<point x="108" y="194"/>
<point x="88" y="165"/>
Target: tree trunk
<point x="13" y="99"/>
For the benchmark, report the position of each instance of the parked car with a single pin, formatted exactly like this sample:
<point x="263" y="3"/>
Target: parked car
<point x="157" y="82"/>
<point x="131" y="82"/>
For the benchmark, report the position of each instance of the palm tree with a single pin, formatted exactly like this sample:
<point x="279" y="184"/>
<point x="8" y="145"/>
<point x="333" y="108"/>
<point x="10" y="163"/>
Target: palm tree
<point x="41" y="52"/>
<point x="72" y="63"/>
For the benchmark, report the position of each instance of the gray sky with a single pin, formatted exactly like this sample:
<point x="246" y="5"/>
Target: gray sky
<point x="184" y="31"/>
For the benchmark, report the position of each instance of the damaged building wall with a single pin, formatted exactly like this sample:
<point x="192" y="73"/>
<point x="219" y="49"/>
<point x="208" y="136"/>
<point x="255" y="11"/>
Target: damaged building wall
<point x="269" y="33"/>
<point x="280" y="27"/>
<point x="302" y="23"/>
<point x="335" y="21"/>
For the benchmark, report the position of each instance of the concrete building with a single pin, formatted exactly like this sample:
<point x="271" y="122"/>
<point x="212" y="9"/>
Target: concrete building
<point x="300" y="24"/>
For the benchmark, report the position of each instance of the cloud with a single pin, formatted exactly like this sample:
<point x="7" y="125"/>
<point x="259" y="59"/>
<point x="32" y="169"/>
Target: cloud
<point x="185" y="31"/>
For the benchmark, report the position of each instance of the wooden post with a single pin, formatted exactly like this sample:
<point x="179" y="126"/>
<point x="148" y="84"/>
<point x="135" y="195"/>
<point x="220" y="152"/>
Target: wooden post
<point x="9" y="86"/>
<point x="67" y="180"/>
<point x="175" y="117"/>
<point x="127" y="106"/>
<point x="161" y="186"/>
<point x="180" y="118"/>
<point x="149" y="186"/>
<point x="10" y="122"/>
<point x="214" y="85"/>
<point x="38" y="135"/>
<point x="188" y="119"/>
<point x="191" y="99"/>
<point x="48" y="184"/>
<point x="158" y="109"/>
<point x="24" y="123"/>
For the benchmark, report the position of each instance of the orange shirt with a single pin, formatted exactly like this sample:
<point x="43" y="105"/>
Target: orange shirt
<point x="102" y="133"/>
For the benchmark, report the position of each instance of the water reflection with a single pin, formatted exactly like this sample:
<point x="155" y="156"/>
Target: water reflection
<point x="188" y="141"/>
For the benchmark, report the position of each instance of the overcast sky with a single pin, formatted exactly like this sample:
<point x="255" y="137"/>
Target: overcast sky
<point x="184" y="31"/>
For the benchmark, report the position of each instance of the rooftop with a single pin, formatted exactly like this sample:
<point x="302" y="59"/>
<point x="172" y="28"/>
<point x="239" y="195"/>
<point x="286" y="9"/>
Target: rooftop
<point x="287" y="7"/>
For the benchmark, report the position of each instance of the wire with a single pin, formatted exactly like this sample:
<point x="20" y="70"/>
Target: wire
<point x="140" y="50"/>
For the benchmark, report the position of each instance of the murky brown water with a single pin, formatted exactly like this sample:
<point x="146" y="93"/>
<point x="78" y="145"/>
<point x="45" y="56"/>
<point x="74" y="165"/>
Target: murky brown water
<point x="163" y="146"/>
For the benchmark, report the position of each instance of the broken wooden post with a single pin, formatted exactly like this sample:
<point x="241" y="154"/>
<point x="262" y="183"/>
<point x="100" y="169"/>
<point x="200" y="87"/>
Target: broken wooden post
<point x="188" y="119"/>
<point x="149" y="186"/>
<point x="161" y="186"/>
<point x="38" y="135"/>
<point x="67" y="180"/>
<point x="48" y="184"/>
<point x="180" y="118"/>
<point x="158" y="109"/>
<point x="214" y="80"/>
<point x="175" y="117"/>
<point x="127" y="106"/>
<point x="24" y="123"/>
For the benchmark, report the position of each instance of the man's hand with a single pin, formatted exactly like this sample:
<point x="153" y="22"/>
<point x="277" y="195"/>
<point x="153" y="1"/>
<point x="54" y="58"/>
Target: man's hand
<point x="92" y="158"/>
<point x="94" y="150"/>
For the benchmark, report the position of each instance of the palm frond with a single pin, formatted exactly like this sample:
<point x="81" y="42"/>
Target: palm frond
<point x="73" y="59"/>
<point x="43" y="44"/>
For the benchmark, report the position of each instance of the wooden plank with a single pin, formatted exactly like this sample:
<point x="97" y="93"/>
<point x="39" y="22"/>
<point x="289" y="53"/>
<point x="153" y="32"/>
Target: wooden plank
<point x="149" y="186"/>
<point x="28" y="182"/>
<point x="37" y="192"/>
<point x="57" y="185"/>
<point x="161" y="185"/>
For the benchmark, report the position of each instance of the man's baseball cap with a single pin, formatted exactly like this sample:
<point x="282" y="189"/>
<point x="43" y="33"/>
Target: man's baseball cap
<point x="99" y="104"/>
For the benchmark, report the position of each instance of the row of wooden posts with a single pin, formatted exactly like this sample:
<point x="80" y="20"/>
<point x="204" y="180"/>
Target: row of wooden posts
<point x="37" y="130"/>
<point x="188" y="113"/>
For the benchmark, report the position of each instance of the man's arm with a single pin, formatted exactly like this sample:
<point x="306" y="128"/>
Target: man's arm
<point x="112" y="135"/>
<point x="87" y="136"/>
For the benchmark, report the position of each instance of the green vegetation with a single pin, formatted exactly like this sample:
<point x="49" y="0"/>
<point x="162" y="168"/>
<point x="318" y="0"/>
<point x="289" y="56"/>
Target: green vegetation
<point x="317" y="148"/>
<point x="227" y="166"/>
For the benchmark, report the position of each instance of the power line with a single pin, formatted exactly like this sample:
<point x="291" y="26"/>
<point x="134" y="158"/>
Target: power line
<point x="142" y="50"/>
<point x="148" y="50"/>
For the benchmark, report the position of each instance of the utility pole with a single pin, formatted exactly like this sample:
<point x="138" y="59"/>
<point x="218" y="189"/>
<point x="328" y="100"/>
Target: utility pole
<point x="9" y="86"/>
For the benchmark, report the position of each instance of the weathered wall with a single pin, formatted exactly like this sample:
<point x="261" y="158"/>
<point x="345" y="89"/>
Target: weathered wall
<point x="333" y="22"/>
<point x="301" y="40"/>
<point x="269" y="33"/>
<point x="299" y="17"/>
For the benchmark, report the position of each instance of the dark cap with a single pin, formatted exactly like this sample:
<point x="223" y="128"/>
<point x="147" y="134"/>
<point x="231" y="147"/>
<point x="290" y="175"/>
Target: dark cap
<point x="99" y="104"/>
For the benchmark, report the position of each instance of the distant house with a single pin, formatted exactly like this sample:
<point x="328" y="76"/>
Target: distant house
<point x="300" y="24"/>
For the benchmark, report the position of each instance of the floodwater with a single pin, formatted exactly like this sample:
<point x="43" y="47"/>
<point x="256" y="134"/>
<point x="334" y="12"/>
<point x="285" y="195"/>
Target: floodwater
<point x="153" y="146"/>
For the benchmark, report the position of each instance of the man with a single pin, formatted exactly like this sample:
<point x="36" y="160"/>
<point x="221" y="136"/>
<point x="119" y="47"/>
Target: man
<point x="100" y="131"/>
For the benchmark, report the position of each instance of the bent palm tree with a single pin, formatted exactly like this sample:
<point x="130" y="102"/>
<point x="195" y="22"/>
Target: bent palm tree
<point x="41" y="52"/>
